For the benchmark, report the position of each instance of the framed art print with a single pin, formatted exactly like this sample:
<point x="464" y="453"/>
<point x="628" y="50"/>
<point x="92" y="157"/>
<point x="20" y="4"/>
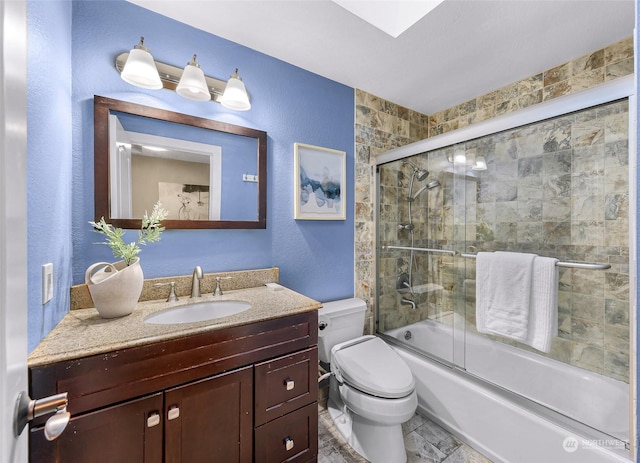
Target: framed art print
<point x="319" y="183"/>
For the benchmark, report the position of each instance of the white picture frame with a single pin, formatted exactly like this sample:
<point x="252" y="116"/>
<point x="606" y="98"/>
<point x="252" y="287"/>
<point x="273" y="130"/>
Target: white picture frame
<point x="320" y="178"/>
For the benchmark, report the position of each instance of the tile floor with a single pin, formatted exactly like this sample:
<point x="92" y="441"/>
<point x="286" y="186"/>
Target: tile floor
<point x="425" y="441"/>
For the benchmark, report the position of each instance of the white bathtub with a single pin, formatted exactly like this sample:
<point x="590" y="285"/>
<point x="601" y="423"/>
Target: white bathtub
<point x="501" y="424"/>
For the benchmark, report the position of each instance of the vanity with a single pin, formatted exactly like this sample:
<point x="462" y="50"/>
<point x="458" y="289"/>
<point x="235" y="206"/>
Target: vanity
<point x="240" y="388"/>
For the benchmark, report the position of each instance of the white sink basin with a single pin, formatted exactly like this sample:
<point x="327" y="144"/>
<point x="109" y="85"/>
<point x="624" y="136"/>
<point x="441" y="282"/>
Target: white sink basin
<point x="197" y="312"/>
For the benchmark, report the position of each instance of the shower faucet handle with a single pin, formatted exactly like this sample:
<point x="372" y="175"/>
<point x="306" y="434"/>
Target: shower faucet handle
<point x="405" y="226"/>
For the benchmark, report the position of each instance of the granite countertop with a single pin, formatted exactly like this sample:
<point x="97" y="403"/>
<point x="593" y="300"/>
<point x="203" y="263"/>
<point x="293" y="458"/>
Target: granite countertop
<point x="83" y="332"/>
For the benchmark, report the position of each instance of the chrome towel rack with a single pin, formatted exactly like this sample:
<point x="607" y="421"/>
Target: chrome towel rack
<point x="579" y="265"/>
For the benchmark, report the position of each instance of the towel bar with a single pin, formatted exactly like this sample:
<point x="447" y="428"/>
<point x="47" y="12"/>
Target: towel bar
<point x="580" y="265"/>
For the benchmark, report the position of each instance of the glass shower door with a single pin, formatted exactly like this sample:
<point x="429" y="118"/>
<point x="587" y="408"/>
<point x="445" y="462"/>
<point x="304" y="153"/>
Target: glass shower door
<point x="415" y="260"/>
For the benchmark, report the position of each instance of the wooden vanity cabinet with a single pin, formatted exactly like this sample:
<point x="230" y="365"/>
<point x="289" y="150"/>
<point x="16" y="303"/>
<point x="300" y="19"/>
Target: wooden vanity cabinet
<point x="200" y="398"/>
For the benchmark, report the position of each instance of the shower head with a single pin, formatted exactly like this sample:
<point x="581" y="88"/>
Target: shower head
<point x="420" y="174"/>
<point x="428" y="186"/>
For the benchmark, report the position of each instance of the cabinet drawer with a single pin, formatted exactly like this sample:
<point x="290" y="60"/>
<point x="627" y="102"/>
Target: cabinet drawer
<point x="285" y="384"/>
<point x="290" y="438"/>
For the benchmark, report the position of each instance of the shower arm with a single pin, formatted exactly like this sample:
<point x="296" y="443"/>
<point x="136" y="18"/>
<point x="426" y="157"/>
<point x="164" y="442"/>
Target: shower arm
<point x="427" y="186"/>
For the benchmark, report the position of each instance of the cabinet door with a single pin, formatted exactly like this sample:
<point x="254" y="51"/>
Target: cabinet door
<point x="129" y="432"/>
<point x="211" y="420"/>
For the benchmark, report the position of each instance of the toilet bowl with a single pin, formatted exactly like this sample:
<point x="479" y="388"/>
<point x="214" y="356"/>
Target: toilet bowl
<point x="372" y="390"/>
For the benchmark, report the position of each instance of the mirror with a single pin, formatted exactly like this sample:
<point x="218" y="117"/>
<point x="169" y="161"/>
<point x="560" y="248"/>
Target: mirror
<point x="207" y="174"/>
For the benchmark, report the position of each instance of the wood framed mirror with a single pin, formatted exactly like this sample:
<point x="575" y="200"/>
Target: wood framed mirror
<point x="206" y="173"/>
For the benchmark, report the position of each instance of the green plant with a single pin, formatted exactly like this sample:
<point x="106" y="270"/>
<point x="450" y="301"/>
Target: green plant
<point x="149" y="233"/>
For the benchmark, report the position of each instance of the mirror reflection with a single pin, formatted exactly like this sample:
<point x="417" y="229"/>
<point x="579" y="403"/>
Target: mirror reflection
<point x="206" y="174"/>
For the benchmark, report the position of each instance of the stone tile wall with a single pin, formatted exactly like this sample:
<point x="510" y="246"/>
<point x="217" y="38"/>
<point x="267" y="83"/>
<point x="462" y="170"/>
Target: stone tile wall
<point x="586" y="71"/>
<point x="381" y="126"/>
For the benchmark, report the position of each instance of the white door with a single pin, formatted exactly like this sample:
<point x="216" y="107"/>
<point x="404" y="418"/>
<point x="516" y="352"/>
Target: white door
<point x="13" y="220"/>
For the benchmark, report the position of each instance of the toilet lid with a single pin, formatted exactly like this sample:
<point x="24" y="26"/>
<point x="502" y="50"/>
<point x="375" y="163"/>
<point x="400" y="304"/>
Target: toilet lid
<point x="374" y="368"/>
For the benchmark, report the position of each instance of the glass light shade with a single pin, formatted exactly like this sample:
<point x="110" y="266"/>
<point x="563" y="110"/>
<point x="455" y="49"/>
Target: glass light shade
<point x="459" y="159"/>
<point x="235" y="94"/>
<point x="481" y="164"/>
<point x="193" y="85"/>
<point x="140" y="69"/>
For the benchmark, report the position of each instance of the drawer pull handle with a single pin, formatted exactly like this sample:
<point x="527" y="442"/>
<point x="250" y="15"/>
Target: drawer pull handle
<point x="288" y="443"/>
<point x="153" y="420"/>
<point x="173" y="413"/>
<point x="290" y="384"/>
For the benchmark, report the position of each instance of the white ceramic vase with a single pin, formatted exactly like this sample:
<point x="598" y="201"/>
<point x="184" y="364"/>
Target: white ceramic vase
<point x="115" y="288"/>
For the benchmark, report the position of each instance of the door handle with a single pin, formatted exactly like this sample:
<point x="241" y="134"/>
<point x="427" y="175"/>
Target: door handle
<point x="27" y="409"/>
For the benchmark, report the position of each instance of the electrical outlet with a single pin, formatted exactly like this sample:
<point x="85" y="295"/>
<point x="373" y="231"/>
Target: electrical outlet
<point x="47" y="283"/>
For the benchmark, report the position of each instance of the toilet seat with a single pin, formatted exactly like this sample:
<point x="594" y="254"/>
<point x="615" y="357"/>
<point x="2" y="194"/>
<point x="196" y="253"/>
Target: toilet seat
<point x="377" y="409"/>
<point x="368" y="364"/>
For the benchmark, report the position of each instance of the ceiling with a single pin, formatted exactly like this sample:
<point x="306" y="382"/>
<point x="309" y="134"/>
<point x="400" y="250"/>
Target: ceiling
<point x="459" y="50"/>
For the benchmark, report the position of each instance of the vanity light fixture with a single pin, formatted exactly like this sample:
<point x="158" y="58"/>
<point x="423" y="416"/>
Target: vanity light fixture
<point x="459" y="158"/>
<point x="140" y="68"/>
<point x="192" y="85"/>
<point x="235" y="94"/>
<point x="480" y="164"/>
<point x="189" y="82"/>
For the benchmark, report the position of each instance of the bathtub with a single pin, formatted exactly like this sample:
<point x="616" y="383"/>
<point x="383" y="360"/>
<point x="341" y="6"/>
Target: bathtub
<point x="581" y="413"/>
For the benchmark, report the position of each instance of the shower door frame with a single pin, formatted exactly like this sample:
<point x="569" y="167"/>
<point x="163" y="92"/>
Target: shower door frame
<point x="608" y="92"/>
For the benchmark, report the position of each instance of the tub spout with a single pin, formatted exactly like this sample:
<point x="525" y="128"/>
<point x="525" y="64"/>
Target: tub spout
<point x="405" y="301"/>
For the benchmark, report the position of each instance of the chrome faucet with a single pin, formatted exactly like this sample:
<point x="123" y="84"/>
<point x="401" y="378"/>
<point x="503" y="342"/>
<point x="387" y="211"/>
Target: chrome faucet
<point x="195" y="283"/>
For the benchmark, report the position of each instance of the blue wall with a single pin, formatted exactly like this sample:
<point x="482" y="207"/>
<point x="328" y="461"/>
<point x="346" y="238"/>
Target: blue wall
<point x="49" y="165"/>
<point x="289" y="103"/>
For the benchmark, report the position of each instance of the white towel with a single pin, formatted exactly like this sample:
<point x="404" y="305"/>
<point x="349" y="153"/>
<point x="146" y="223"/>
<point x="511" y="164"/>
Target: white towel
<point x="503" y="290"/>
<point x="543" y="308"/>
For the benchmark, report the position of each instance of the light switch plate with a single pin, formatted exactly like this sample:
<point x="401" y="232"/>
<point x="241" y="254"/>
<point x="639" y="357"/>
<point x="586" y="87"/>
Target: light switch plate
<point x="47" y="283"/>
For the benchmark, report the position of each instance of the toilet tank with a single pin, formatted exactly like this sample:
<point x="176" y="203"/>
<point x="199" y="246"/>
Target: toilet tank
<point x="339" y="321"/>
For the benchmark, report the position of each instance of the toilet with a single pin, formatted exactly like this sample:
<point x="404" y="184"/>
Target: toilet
<point x="371" y="389"/>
